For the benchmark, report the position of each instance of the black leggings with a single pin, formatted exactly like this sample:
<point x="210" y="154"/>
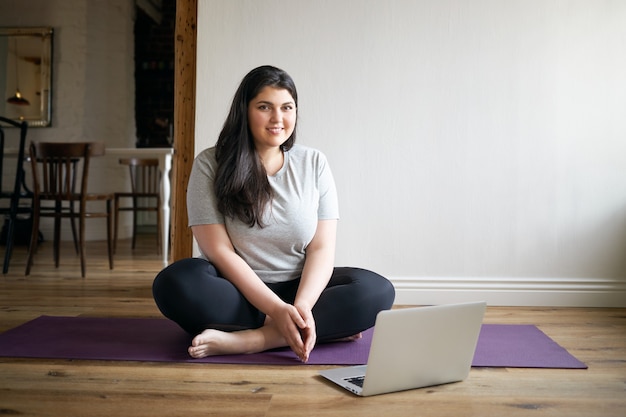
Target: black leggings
<point x="192" y="293"/>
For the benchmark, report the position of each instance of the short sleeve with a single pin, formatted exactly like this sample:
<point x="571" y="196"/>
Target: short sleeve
<point x="328" y="208"/>
<point x="201" y="200"/>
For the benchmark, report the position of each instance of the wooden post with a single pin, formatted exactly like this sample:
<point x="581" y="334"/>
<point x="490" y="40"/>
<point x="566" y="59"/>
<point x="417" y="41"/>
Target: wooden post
<point x="184" y="124"/>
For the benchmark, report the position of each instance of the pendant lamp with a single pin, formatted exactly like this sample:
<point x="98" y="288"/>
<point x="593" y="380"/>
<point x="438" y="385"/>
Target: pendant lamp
<point x="17" y="99"/>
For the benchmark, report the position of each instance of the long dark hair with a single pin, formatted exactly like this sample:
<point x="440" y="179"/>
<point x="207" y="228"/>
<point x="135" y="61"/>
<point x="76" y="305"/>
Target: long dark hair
<point x="241" y="185"/>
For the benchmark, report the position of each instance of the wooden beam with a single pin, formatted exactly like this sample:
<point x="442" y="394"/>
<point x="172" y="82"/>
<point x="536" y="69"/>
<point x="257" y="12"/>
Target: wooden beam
<point x="184" y="124"/>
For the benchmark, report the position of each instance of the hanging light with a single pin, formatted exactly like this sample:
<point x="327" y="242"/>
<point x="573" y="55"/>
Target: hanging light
<point x="17" y="97"/>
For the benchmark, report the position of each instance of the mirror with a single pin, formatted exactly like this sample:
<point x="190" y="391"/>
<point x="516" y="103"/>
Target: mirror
<point x="26" y="74"/>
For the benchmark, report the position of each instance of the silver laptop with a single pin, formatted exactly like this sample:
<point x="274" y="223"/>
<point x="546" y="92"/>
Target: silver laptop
<point x="414" y="348"/>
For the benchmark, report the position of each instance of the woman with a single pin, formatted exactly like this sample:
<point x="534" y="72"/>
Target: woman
<point x="264" y="214"/>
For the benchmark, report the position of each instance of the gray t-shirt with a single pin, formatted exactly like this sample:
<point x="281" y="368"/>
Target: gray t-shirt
<point x="304" y="192"/>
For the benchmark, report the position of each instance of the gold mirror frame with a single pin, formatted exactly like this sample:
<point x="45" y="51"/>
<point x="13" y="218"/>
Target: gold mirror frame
<point x="26" y="74"/>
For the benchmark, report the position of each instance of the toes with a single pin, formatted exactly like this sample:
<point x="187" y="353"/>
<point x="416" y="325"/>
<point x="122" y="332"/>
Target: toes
<point x="196" y="353"/>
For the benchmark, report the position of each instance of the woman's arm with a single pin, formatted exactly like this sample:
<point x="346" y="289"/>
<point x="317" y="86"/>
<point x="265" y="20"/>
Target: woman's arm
<point x="214" y="242"/>
<point x="318" y="268"/>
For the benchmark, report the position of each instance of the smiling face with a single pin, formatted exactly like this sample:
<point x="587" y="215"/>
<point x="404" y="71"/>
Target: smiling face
<point x="271" y="118"/>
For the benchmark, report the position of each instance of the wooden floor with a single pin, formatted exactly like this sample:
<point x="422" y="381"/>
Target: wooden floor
<point x="99" y="388"/>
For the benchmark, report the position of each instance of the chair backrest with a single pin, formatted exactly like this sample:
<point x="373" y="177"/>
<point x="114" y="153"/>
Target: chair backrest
<point x="61" y="165"/>
<point x="18" y="182"/>
<point x="144" y="175"/>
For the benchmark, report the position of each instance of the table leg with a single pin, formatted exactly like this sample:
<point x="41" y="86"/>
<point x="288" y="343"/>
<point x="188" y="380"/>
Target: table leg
<point x="165" y="165"/>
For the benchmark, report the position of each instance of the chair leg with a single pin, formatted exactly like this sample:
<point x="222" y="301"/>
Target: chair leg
<point x="34" y="236"/>
<point x="135" y="202"/>
<point x="73" y="223"/>
<point x="110" y="246"/>
<point x="9" y="245"/>
<point x="116" y="223"/>
<point x="56" y="246"/>
<point x="81" y="234"/>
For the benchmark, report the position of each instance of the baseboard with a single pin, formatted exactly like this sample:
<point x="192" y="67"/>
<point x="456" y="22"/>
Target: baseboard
<point x="555" y="292"/>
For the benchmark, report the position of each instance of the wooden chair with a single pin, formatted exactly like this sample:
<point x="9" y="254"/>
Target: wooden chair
<point x="18" y="191"/>
<point x="60" y="179"/>
<point x="144" y="196"/>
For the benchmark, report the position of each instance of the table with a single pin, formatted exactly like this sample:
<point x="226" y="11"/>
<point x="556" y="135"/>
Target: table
<point x="164" y="155"/>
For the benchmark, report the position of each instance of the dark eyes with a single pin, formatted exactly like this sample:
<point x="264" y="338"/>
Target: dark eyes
<point x="285" y="108"/>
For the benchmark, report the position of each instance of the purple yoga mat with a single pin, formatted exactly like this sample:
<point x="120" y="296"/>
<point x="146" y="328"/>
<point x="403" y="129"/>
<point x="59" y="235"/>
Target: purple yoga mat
<point x="160" y="340"/>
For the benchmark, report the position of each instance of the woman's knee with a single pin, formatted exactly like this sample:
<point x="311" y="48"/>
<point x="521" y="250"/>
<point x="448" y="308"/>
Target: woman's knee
<point x="372" y="286"/>
<point x="175" y="280"/>
<point x="180" y="270"/>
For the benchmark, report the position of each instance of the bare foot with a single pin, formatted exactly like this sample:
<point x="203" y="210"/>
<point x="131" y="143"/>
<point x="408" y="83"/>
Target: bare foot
<point x="213" y="342"/>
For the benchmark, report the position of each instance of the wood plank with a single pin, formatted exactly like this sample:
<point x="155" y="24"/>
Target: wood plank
<point x="136" y="404"/>
<point x="41" y="387"/>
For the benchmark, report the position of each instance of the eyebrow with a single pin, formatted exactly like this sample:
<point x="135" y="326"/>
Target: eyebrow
<point x="270" y="103"/>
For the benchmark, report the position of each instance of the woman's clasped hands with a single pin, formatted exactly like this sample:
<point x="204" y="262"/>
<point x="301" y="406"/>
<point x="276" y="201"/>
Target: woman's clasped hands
<point x="297" y="325"/>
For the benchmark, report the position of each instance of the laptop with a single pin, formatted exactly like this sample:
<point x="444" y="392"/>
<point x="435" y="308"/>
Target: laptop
<point x="415" y="347"/>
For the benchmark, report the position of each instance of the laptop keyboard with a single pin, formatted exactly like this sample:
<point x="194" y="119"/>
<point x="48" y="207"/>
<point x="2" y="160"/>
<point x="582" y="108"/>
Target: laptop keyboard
<point x="356" y="380"/>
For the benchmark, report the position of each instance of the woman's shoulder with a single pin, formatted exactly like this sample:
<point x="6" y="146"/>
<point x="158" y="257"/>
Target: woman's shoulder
<point x="306" y="152"/>
<point x="208" y="153"/>
<point x="205" y="162"/>
<point x="206" y="157"/>
<point x="307" y="160"/>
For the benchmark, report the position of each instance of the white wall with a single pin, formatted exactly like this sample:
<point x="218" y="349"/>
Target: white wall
<point x="479" y="147"/>
<point x="93" y="90"/>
